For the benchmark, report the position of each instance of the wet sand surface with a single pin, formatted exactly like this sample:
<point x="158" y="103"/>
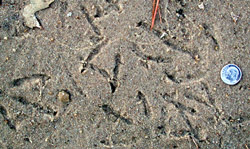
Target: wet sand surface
<point x="96" y="76"/>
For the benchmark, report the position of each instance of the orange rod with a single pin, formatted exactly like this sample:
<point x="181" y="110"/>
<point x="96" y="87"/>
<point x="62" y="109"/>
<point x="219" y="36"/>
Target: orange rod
<point x="154" y="15"/>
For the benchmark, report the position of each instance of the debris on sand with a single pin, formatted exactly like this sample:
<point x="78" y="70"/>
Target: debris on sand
<point x="69" y="14"/>
<point x="201" y="6"/>
<point x="234" y="17"/>
<point x="30" y="10"/>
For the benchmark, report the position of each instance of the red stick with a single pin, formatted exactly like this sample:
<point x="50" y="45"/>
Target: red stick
<point x="153" y="9"/>
<point x="154" y="14"/>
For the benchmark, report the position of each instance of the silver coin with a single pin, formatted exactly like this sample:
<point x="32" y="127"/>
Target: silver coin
<point x="231" y="74"/>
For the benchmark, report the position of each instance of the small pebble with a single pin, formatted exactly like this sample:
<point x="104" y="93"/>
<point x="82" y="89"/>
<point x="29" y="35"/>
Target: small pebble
<point x="196" y="58"/>
<point x="52" y="39"/>
<point x="69" y="14"/>
<point x="50" y="93"/>
<point x="63" y="97"/>
<point x="216" y="48"/>
<point x="234" y="17"/>
<point x="163" y="35"/>
<point x="201" y="6"/>
<point x="5" y="38"/>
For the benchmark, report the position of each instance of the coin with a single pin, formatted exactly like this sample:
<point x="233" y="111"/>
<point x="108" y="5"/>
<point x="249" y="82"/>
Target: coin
<point x="231" y="74"/>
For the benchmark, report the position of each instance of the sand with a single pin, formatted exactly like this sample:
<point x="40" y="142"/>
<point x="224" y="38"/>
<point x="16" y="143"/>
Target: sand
<point x="123" y="85"/>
